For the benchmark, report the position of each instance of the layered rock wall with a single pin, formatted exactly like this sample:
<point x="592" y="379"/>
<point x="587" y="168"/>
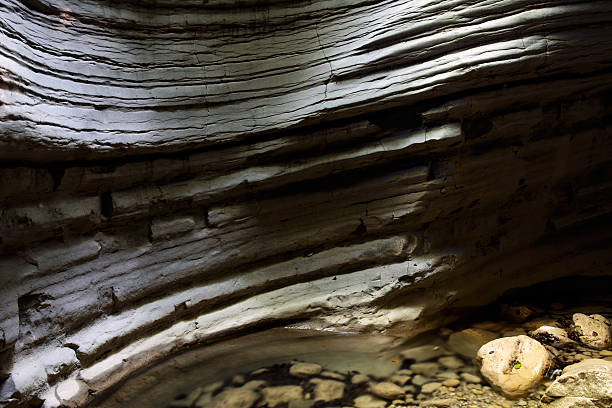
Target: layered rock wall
<point x="175" y="172"/>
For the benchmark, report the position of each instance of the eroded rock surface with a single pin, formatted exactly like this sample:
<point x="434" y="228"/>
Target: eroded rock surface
<point x="586" y="384"/>
<point x="172" y="172"/>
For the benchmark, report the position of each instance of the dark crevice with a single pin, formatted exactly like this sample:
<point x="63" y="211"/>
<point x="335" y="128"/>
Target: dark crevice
<point x="106" y="204"/>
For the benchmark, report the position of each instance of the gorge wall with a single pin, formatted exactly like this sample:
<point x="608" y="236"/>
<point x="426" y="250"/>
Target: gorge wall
<point x="175" y="172"/>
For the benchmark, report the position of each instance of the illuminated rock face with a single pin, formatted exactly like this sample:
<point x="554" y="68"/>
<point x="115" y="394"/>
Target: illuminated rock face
<point x="173" y="171"/>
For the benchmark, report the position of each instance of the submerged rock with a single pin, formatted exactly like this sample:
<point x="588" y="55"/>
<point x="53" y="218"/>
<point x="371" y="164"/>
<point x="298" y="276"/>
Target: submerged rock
<point x="513" y="365"/>
<point x="329" y="390"/>
<point x="369" y="401"/>
<point x="555" y="336"/>
<point x="304" y="369"/>
<point x="234" y="398"/>
<point x="283" y="394"/>
<point x="587" y="384"/>
<point x="387" y="390"/>
<point x="467" y="342"/>
<point x="423" y="353"/>
<point x="593" y="330"/>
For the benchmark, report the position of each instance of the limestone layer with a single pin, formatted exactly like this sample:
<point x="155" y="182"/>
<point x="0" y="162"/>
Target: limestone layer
<point x="172" y="172"/>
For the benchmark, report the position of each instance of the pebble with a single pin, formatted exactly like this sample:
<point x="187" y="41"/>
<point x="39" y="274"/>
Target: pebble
<point x="359" y="379"/>
<point x="448" y="375"/>
<point x="451" y="362"/>
<point x="238" y="380"/>
<point x="471" y="378"/>
<point x="254" y="384"/>
<point x="423" y="353"/>
<point x="439" y="403"/>
<point x="387" y="390"/>
<point x="401" y="379"/>
<point x="234" y="398"/>
<point x="332" y="375"/>
<point x="304" y="369"/>
<point x="451" y="382"/>
<point x="429" y="388"/>
<point x="329" y="390"/>
<point x="420" y="380"/>
<point x="282" y="394"/>
<point x="427" y="369"/>
<point x="369" y="401"/>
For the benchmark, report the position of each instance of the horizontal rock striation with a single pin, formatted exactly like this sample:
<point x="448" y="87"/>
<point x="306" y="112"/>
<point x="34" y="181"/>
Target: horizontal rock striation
<point x="172" y="173"/>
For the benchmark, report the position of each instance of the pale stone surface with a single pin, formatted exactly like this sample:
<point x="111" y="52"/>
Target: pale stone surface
<point x="593" y="330"/>
<point x="467" y="342"/>
<point x="555" y="336"/>
<point x="369" y="401"/>
<point x="359" y="379"/>
<point x="274" y="396"/>
<point x="234" y="398"/>
<point x="451" y="382"/>
<point x="513" y="365"/>
<point x="429" y="388"/>
<point x="423" y="353"/>
<point x="387" y="390"/>
<point x="304" y="369"/>
<point x="587" y="384"/>
<point x="451" y="362"/>
<point x="328" y="390"/>
<point x="426" y="369"/>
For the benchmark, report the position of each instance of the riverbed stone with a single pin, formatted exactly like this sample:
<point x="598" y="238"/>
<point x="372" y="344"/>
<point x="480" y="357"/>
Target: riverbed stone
<point x="513" y="365"/>
<point x="429" y="388"/>
<point x="423" y="353"/>
<point x="304" y="369"/>
<point x="369" y="401"/>
<point x="329" y="390"/>
<point x="427" y="369"/>
<point x="387" y="390"/>
<point x="282" y="394"/>
<point x="451" y="382"/>
<point x="467" y="342"/>
<point x="451" y="362"/>
<point x="593" y="330"/>
<point x="359" y="379"/>
<point x="555" y="336"/>
<point x="234" y="398"/>
<point x="586" y="384"/>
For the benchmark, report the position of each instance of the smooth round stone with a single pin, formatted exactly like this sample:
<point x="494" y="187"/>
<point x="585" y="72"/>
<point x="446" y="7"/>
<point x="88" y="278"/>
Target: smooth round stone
<point x="446" y="375"/>
<point x="593" y="330"/>
<point x="304" y="369"/>
<point x="514" y="365"/>
<point x="426" y="369"/>
<point x="423" y="353"/>
<point x="283" y="394"/>
<point x="359" y="379"/>
<point x="471" y="378"/>
<point x="451" y="382"/>
<point x="430" y="387"/>
<point x="420" y="380"/>
<point x="387" y="390"/>
<point x="234" y="398"/>
<point x="332" y="375"/>
<point x="369" y="401"/>
<point x="451" y="362"/>
<point x="328" y="390"/>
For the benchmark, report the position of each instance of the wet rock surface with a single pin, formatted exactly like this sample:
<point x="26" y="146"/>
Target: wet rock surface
<point x="521" y="371"/>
